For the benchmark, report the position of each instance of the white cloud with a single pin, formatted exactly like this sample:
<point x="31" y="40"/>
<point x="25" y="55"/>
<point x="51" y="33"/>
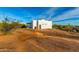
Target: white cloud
<point x="48" y="13"/>
<point x="69" y="14"/>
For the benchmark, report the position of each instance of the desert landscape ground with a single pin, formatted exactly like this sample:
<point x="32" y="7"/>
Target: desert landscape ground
<point x="26" y="40"/>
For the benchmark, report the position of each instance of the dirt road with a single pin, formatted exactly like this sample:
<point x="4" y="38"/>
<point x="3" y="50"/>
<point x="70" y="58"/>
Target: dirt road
<point x="23" y="40"/>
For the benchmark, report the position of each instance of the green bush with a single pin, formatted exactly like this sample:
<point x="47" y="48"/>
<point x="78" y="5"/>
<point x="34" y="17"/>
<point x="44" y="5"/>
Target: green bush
<point x="6" y="25"/>
<point x="69" y="28"/>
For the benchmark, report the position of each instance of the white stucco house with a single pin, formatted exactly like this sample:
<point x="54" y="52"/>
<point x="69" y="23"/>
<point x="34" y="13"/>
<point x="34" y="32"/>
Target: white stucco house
<point x="41" y="24"/>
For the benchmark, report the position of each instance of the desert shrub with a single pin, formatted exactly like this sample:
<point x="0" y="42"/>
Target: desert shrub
<point x="15" y="24"/>
<point x="23" y="26"/>
<point x="6" y="25"/>
<point x="58" y="27"/>
<point x="64" y="27"/>
<point x="76" y="28"/>
<point x="67" y="27"/>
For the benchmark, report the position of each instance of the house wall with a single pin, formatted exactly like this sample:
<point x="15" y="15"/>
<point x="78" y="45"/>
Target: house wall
<point x="34" y="24"/>
<point x="42" y="24"/>
<point x="45" y="24"/>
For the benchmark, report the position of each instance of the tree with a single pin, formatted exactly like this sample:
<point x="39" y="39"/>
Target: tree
<point x="5" y="25"/>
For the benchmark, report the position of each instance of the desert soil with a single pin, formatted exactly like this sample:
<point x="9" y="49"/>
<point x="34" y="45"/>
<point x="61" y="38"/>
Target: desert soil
<point x="25" y="40"/>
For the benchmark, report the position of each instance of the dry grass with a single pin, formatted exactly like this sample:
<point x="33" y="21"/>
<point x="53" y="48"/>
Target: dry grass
<point x="22" y="40"/>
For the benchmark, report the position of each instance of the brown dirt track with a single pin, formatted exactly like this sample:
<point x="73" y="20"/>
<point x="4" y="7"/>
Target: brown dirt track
<point x="23" y="40"/>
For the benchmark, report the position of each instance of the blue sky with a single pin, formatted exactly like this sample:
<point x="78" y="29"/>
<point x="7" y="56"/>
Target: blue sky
<point x="59" y="15"/>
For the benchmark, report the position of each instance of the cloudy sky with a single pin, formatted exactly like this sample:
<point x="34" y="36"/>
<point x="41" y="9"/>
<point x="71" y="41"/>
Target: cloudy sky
<point x="59" y="15"/>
